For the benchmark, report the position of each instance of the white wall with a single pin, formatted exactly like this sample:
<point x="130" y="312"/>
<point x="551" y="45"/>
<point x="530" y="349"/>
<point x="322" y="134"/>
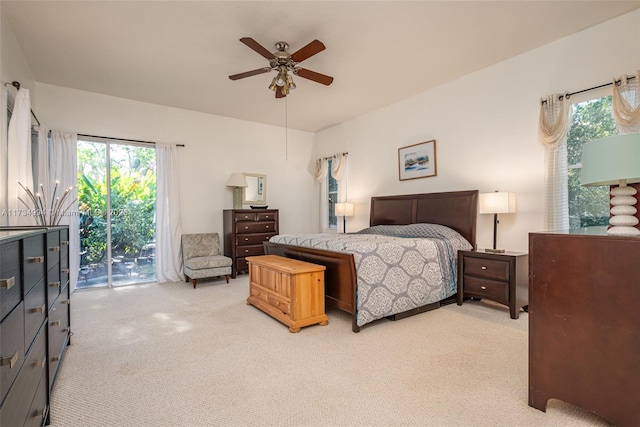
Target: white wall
<point x="215" y="147"/>
<point x="486" y="128"/>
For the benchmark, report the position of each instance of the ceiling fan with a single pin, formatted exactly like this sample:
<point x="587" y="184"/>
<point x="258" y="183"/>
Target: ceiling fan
<point x="284" y="62"/>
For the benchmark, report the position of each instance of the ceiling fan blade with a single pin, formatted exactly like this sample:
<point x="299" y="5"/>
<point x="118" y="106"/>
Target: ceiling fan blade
<point x="316" y="77"/>
<point x="257" y="47"/>
<point x="308" y="51"/>
<point x="250" y="73"/>
<point x="279" y="93"/>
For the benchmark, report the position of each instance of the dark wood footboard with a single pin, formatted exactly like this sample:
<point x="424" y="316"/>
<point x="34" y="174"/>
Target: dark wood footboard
<point x="340" y="283"/>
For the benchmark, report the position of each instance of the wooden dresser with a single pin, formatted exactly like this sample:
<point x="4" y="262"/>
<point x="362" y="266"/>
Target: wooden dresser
<point x="584" y="322"/>
<point x="34" y="320"/>
<point x="289" y="290"/>
<point x="244" y="232"/>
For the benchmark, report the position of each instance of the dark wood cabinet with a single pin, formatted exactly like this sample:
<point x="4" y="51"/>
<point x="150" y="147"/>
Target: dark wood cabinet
<point x="584" y="323"/>
<point x="500" y="277"/>
<point x="245" y="230"/>
<point x="34" y="321"/>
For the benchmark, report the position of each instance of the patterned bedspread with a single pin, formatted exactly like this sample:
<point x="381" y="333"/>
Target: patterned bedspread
<point x="398" y="267"/>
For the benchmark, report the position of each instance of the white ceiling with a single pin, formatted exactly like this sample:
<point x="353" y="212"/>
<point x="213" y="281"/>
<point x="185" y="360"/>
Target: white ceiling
<point x="180" y="53"/>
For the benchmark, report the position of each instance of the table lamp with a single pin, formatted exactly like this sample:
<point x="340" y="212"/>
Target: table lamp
<point x="497" y="203"/>
<point x="615" y="160"/>
<point x="238" y="181"/>
<point x="344" y="210"/>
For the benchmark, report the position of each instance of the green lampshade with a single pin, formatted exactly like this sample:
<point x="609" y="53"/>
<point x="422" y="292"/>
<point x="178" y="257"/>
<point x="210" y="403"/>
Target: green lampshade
<point x="606" y="161"/>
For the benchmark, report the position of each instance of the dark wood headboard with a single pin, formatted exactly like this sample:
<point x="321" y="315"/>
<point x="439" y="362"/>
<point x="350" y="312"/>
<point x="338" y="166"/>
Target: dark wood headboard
<point x="455" y="209"/>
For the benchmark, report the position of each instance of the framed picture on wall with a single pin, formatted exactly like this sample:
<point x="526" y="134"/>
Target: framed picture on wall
<point x="417" y="161"/>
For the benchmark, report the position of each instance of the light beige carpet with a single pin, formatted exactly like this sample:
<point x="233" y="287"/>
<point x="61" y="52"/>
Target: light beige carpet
<point x="169" y="355"/>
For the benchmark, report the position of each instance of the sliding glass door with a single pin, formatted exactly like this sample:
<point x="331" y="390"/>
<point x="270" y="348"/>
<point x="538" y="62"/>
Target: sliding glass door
<point x="116" y="195"/>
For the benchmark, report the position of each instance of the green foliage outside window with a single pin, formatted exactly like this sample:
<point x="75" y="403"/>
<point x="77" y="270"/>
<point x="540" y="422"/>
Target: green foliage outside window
<point x="133" y="194"/>
<point x="588" y="206"/>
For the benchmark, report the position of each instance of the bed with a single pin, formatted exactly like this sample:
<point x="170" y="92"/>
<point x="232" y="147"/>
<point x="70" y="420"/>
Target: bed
<point x="348" y="288"/>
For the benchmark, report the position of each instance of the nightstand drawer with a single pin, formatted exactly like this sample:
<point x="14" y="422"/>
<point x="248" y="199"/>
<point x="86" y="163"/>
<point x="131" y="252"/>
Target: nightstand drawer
<point x="483" y="288"/>
<point x="487" y="268"/>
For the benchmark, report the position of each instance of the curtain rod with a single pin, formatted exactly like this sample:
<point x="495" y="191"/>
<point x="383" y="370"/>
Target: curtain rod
<point x="123" y="139"/>
<point x="568" y="95"/>
<point x="335" y="155"/>
<point x="17" y="86"/>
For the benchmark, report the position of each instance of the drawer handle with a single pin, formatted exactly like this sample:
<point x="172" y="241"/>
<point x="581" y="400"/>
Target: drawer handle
<point x="9" y="360"/>
<point x="483" y="268"/>
<point x="54" y="284"/>
<point x="55" y="323"/>
<point x="246" y="250"/>
<point x="41" y="412"/>
<point x="266" y="226"/>
<point x="246" y="228"/>
<point x="65" y="243"/>
<point x="55" y="358"/>
<point x="246" y="239"/>
<point x="65" y="271"/>
<point x="40" y="363"/>
<point x="246" y="217"/>
<point x="54" y="249"/>
<point x="35" y="259"/>
<point x="40" y="309"/>
<point x="8" y="283"/>
<point x="484" y="288"/>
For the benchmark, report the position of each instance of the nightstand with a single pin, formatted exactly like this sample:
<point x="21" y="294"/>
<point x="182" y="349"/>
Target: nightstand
<point x="501" y="277"/>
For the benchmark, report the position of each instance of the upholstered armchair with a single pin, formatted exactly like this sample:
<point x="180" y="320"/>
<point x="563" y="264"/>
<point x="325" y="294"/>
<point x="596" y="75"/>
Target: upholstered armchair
<point x="201" y="257"/>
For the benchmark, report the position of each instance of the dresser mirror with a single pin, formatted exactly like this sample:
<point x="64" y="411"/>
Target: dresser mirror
<point x="255" y="193"/>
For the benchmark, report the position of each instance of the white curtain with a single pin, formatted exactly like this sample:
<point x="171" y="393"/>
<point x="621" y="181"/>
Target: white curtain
<point x="168" y="222"/>
<point x="554" y="125"/>
<point x="321" y="174"/>
<point x="19" y="168"/>
<point x="63" y="169"/>
<point x="626" y="103"/>
<point x="339" y="171"/>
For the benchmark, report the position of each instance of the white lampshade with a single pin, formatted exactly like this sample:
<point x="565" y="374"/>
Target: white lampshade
<point x="612" y="161"/>
<point x="497" y="202"/>
<point x="606" y="161"/>
<point x="237" y="179"/>
<point x="344" y="209"/>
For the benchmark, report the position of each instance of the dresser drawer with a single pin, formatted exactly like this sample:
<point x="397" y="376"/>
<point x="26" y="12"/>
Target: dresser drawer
<point x="58" y="333"/>
<point x="11" y="348"/>
<point x="266" y="216"/>
<point x="485" y="288"/>
<point x="33" y="260"/>
<point x="35" y="311"/>
<point x="16" y="407"/>
<point x="39" y="407"/>
<point x="253" y="239"/>
<point x="53" y="249"/>
<point x="255" y="227"/>
<point x="244" y="216"/>
<point x="10" y="282"/>
<point x="488" y="268"/>
<point x="252" y="250"/>
<point x="54" y="285"/>
<point x="241" y="264"/>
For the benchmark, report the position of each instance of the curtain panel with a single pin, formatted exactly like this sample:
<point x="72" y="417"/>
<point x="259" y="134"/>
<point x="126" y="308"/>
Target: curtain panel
<point x="63" y="170"/>
<point x="626" y="103"/>
<point x="168" y="221"/>
<point x="321" y="176"/>
<point x="19" y="165"/>
<point x="554" y="125"/>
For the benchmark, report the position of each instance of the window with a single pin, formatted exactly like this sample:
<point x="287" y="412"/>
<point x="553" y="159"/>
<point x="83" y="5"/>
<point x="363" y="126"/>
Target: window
<point x="332" y="198"/>
<point x="588" y="206"/>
